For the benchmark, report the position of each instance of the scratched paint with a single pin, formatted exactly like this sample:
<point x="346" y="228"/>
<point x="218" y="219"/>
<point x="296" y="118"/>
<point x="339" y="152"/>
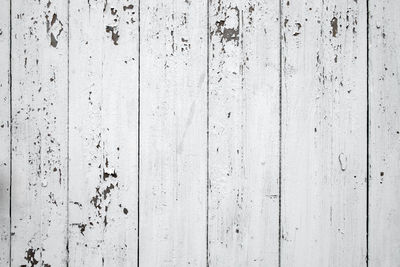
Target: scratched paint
<point x="244" y="133"/>
<point x="39" y="133"/>
<point x="103" y="133"/>
<point x="384" y="97"/>
<point x="324" y="140"/>
<point x="5" y="125"/>
<point x="201" y="133"/>
<point x="173" y="133"/>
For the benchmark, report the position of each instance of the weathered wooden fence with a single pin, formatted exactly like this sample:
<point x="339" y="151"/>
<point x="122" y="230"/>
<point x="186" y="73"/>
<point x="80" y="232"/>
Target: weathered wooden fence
<point x="200" y="133"/>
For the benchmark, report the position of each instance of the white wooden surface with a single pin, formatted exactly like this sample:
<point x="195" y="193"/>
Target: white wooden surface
<point x="39" y="133"/>
<point x="384" y="115"/>
<point x="324" y="133"/>
<point x="103" y="84"/>
<point x="173" y="133"/>
<point x="5" y="132"/>
<point x="199" y="133"/>
<point x="244" y="133"/>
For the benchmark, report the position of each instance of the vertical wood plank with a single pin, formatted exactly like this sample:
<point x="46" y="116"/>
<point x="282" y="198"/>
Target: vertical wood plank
<point x="173" y="133"/>
<point x="384" y="113"/>
<point x="103" y="133"/>
<point x="39" y="133"/>
<point x="5" y="133"/>
<point x="244" y="133"/>
<point x="324" y="152"/>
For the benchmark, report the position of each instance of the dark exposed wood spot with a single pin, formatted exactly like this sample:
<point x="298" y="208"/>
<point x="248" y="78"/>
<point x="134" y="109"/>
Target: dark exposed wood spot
<point x="53" y="41"/>
<point x="114" y="33"/>
<point x="334" y="26"/>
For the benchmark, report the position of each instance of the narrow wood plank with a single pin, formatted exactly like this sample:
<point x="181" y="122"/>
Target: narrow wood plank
<point x="39" y="133"/>
<point x="5" y="133"/>
<point x="324" y="145"/>
<point x="384" y="148"/>
<point x="244" y="133"/>
<point x="173" y="133"/>
<point x="103" y="133"/>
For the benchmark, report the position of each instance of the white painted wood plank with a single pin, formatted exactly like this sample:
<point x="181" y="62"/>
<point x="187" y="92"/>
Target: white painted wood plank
<point x="39" y="133"/>
<point x="324" y="120"/>
<point x="173" y="133"/>
<point x="5" y="133"/>
<point x="384" y="110"/>
<point x="244" y="133"/>
<point x="103" y="133"/>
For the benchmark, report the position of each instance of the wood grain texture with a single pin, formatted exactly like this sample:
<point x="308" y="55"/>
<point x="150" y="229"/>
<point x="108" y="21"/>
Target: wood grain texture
<point x="199" y="133"/>
<point x="39" y="133"/>
<point x="173" y="133"/>
<point x="244" y="133"/>
<point x="103" y="133"/>
<point x="384" y="147"/>
<point x="5" y="136"/>
<point x="324" y="133"/>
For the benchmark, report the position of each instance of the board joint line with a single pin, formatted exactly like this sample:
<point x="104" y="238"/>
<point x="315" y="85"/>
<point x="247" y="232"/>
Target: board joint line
<point x="208" y="132"/>
<point x="11" y="126"/>
<point x="280" y="137"/>
<point x="68" y="128"/>
<point x="138" y="145"/>
<point x="368" y="149"/>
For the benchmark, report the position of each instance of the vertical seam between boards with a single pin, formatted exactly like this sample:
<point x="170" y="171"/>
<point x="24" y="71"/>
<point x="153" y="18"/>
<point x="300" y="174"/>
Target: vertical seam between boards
<point x="280" y="136"/>
<point x="10" y="125"/>
<point x="368" y="126"/>
<point x="208" y="131"/>
<point x="68" y="120"/>
<point x="138" y="146"/>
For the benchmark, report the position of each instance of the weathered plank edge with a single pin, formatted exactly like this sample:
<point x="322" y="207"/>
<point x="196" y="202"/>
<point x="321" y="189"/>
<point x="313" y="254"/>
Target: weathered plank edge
<point x="280" y="134"/>
<point x="208" y="133"/>
<point x="68" y="129"/>
<point x="138" y="139"/>
<point x="368" y="142"/>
